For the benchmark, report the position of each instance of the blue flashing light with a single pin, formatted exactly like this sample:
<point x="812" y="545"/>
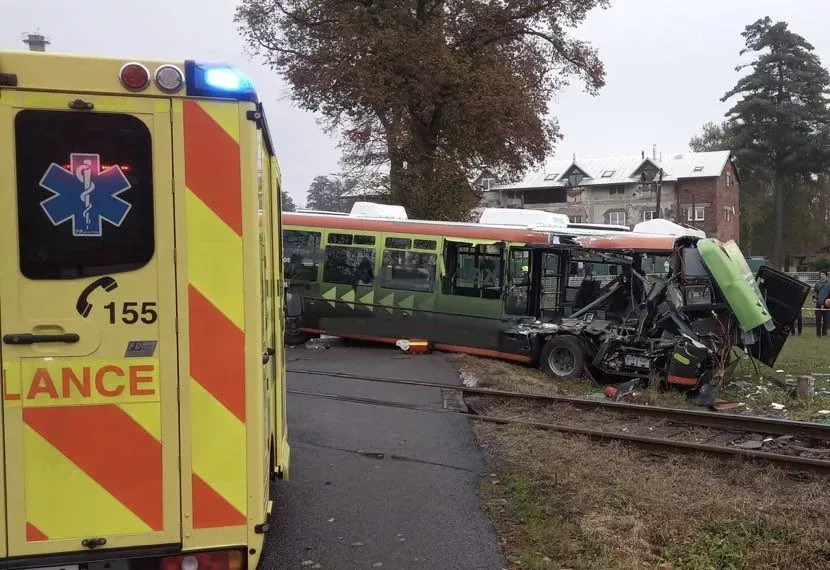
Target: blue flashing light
<point x="218" y="80"/>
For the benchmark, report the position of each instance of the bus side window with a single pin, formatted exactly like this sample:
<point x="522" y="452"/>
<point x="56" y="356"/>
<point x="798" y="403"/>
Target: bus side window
<point x="349" y="265"/>
<point x="473" y="271"/>
<point x="408" y="270"/>
<point x="300" y="251"/>
<point x="518" y="293"/>
<point x="551" y="282"/>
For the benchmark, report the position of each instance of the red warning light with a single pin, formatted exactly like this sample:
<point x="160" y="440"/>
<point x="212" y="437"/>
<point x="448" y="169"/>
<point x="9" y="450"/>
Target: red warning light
<point x="134" y="76"/>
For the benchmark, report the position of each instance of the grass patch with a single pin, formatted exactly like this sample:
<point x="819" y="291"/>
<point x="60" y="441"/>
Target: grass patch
<point x="502" y="375"/>
<point x="567" y="502"/>
<point x="726" y="544"/>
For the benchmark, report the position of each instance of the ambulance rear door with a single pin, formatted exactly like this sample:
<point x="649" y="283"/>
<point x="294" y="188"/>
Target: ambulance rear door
<point x="88" y="324"/>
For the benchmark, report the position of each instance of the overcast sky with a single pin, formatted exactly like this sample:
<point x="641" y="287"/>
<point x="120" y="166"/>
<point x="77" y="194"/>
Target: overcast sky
<point x="668" y="63"/>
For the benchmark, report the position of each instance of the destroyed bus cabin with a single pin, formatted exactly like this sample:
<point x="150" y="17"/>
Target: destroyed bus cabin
<point x="620" y="303"/>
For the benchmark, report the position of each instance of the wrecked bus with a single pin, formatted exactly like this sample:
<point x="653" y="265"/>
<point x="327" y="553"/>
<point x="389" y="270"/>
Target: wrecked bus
<point x="617" y="303"/>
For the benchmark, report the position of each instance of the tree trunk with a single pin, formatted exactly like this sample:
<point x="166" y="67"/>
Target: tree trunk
<point x="395" y="173"/>
<point x="778" y="240"/>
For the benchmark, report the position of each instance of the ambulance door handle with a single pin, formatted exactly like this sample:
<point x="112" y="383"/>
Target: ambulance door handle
<point x="28" y="338"/>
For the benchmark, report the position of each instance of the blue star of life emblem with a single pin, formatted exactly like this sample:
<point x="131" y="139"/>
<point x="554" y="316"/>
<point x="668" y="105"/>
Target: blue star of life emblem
<point x="85" y="194"/>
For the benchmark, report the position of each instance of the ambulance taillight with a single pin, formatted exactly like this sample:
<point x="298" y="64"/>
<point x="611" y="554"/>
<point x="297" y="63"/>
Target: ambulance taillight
<point x="134" y="76"/>
<point x="216" y="560"/>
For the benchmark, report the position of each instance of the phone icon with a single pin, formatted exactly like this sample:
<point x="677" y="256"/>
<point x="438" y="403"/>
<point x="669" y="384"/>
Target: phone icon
<point x="83" y="305"/>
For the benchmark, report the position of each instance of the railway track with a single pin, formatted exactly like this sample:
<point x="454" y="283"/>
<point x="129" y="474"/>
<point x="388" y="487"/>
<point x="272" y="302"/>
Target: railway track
<point x="798" y="445"/>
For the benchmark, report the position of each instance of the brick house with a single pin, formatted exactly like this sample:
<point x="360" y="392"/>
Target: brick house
<point x="700" y="189"/>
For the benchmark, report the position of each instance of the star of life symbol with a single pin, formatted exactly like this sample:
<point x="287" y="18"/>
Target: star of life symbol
<point x="85" y="194"/>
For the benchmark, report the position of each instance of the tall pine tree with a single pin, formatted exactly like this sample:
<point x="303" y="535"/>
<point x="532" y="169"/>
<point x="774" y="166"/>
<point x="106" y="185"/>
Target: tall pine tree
<point x="781" y="121"/>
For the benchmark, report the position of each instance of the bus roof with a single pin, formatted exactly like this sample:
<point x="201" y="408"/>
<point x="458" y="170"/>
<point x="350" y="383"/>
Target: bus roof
<point x="422" y="227"/>
<point x="598" y="240"/>
<point x="40" y="71"/>
<point x="630" y="241"/>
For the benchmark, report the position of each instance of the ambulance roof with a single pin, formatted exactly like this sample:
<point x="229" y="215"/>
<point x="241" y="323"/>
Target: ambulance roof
<point x="40" y="71"/>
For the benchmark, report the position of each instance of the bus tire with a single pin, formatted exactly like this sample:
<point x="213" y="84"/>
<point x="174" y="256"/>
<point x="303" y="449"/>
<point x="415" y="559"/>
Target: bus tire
<point x="296" y="337"/>
<point x="563" y="356"/>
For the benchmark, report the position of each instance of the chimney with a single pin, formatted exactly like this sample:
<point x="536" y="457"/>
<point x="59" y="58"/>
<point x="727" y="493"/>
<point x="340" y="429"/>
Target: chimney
<point x="654" y="152"/>
<point x="643" y="154"/>
<point x="36" y="41"/>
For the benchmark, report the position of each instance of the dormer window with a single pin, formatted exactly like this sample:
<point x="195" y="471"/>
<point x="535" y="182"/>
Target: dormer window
<point x="575" y="175"/>
<point x="575" y="178"/>
<point x="648" y="174"/>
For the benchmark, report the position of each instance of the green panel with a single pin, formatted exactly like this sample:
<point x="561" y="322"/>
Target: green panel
<point x="740" y="295"/>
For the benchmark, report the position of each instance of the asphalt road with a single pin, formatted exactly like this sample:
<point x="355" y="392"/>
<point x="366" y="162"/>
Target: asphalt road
<point x="374" y="486"/>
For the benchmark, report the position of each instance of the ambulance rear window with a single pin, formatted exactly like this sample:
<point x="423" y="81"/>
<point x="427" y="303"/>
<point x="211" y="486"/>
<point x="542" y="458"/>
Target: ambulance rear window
<point x="84" y="193"/>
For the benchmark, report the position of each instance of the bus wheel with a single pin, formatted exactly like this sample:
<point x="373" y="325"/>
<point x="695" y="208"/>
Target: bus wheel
<point x="564" y="357"/>
<point x="296" y="337"/>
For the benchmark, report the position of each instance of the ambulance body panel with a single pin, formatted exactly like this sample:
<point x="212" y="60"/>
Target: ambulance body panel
<point x="143" y="385"/>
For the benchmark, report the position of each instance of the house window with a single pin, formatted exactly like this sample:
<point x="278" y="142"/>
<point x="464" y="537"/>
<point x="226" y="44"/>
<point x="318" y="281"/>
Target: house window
<point x="608" y="173"/>
<point x="729" y="180"/>
<point x="488" y="183"/>
<point x="648" y="174"/>
<point x="698" y="169"/>
<point x="552" y="176"/>
<point x="575" y="178"/>
<point x="616" y="218"/>
<point x="728" y="213"/>
<point x="545" y="196"/>
<point x="649" y="215"/>
<point x="577" y="219"/>
<point x="698" y="214"/>
<point x="616" y="190"/>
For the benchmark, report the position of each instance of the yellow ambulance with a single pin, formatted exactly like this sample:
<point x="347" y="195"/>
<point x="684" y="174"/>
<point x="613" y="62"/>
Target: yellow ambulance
<point x="141" y="303"/>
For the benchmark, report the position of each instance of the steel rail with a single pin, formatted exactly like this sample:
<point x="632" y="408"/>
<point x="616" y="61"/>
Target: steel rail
<point x="653" y="443"/>
<point x="755" y="424"/>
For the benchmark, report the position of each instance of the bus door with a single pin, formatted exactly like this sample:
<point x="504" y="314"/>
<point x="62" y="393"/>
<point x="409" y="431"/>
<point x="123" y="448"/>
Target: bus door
<point x="88" y="323"/>
<point x="469" y="306"/>
<point x="406" y="285"/>
<point x="521" y="285"/>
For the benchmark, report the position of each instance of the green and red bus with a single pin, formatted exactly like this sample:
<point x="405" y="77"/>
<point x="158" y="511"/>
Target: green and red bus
<point x="549" y="296"/>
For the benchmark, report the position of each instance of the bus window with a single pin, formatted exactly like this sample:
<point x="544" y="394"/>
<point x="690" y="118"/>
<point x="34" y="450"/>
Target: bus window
<point x="551" y="282"/>
<point x="430" y="244"/>
<point x="398" y="243"/>
<point x="114" y="231"/>
<point x="518" y="293"/>
<point x="301" y="251"/>
<point x="342" y="239"/>
<point x="364" y="240"/>
<point x="349" y="265"/>
<point x="473" y="271"/>
<point x="408" y="271"/>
